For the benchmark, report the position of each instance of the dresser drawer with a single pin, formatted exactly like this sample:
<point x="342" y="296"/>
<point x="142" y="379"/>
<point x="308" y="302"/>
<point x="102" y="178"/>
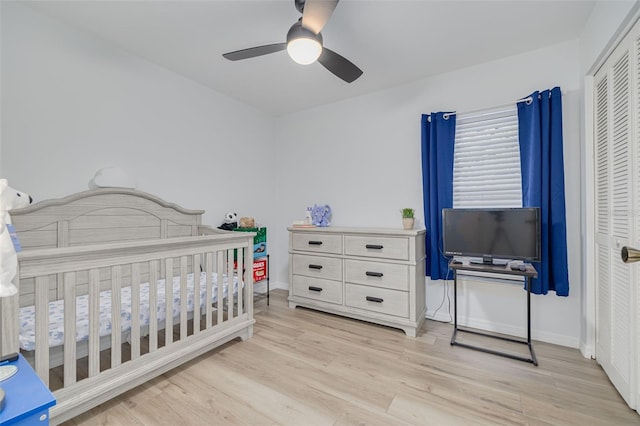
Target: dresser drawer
<point x="316" y="242"/>
<point x="377" y="274"/>
<point x="381" y="247"/>
<point x="329" y="268"/>
<point x="317" y="289"/>
<point x="382" y="300"/>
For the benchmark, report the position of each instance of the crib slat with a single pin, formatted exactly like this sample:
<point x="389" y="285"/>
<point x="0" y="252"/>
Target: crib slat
<point x="196" y="294"/>
<point x="94" y="322"/>
<point x="209" y="297"/>
<point x="240" y="276"/>
<point x="42" y="328"/>
<point x="168" y="299"/>
<point x="220" y="285"/>
<point x="183" y="296"/>
<point x="69" y="328"/>
<point x="135" y="311"/>
<point x="116" y="306"/>
<point x="229" y="284"/>
<point x="247" y="290"/>
<point x="153" y="305"/>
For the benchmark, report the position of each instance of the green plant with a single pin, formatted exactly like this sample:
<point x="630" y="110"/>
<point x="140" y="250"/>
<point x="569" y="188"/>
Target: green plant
<point x="407" y="212"/>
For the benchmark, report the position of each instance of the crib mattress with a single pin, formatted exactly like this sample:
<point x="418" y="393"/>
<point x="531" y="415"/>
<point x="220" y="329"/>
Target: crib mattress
<point x="56" y="310"/>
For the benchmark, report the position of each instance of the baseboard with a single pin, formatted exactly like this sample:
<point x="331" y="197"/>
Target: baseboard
<point x="587" y="351"/>
<point x="553" y="338"/>
<point x="440" y="316"/>
<point x="278" y="285"/>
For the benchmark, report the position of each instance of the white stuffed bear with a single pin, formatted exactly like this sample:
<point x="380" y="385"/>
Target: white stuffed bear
<point x="9" y="199"/>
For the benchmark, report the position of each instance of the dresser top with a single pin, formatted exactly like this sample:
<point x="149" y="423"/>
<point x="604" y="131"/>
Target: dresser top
<point x="356" y="230"/>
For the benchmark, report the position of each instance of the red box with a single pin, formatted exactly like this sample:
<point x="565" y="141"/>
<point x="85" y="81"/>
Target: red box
<point x="259" y="269"/>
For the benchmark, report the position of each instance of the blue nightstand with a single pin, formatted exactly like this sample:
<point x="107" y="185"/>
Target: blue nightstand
<point x="27" y="399"/>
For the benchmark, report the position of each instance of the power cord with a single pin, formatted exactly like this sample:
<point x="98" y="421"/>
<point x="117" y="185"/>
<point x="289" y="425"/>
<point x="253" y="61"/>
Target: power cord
<point x="445" y="295"/>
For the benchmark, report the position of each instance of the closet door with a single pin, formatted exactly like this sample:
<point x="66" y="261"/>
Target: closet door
<point x="617" y="197"/>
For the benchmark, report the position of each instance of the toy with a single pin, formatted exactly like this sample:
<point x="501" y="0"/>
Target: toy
<point x="9" y="199"/>
<point x="247" y="222"/>
<point x="112" y="177"/>
<point x="230" y="222"/>
<point x="320" y="215"/>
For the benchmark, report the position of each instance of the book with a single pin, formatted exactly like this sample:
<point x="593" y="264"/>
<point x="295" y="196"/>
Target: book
<point x="14" y="237"/>
<point x="303" y="225"/>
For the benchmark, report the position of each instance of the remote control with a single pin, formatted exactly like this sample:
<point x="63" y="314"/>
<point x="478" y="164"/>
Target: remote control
<point x="8" y="358"/>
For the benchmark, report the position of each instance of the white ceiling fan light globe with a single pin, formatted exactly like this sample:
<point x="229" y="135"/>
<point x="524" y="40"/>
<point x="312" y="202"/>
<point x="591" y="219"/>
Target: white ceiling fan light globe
<point x="303" y="45"/>
<point x="304" y="51"/>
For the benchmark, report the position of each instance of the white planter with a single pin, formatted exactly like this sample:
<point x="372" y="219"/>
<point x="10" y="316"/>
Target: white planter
<point x="407" y="222"/>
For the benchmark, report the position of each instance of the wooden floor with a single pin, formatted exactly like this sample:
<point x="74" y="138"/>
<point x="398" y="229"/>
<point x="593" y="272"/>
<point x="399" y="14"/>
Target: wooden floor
<point x="309" y="368"/>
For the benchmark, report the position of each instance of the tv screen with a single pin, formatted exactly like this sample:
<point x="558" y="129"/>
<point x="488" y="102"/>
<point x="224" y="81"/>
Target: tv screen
<point x="501" y="233"/>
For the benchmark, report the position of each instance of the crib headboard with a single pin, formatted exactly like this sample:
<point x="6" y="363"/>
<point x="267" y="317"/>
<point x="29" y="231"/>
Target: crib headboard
<point x="101" y="216"/>
<point x="105" y="215"/>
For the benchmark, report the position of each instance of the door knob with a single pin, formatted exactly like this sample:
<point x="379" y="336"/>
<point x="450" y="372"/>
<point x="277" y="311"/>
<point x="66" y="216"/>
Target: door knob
<point x="630" y="255"/>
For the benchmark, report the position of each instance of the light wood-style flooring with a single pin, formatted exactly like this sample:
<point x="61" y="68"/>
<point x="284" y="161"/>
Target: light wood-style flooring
<point x="309" y="368"/>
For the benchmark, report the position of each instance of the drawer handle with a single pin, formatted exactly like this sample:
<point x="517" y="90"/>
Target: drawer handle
<point x="374" y="274"/>
<point x="315" y="266"/>
<point x="374" y="299"/>
<point x="312" y="288"/>
<point x="315" y="243"/>
<point x="374" y="246"/>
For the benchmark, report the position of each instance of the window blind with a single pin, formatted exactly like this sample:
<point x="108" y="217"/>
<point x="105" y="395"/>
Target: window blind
<point x="486" y="164"/>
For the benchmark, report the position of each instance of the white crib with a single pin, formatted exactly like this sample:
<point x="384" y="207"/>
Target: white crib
<point x="98" y="253"/>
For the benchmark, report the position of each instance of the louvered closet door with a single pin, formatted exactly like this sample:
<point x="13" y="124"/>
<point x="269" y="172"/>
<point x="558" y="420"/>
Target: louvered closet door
<point x="617" y="195"/>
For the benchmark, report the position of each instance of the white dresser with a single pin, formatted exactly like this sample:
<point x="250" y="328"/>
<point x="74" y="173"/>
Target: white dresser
<point x="371" y="274"/>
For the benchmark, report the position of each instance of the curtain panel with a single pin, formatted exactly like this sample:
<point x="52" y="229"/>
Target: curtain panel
<point x="438" y="136"/>
<point x="542" y="163"/>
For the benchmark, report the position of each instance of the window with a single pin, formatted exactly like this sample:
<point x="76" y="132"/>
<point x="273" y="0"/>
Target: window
<point x="486" y="164"/>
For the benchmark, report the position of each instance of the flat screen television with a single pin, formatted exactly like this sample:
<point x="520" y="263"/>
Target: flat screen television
<point x="494" y="235"/>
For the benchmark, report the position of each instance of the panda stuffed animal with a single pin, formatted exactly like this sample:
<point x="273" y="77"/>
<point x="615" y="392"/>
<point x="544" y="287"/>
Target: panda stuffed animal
<point x="9" y="199"/>
<point x="230" y="222"/>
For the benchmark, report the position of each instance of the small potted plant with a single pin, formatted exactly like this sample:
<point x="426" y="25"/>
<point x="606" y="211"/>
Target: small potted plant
<point x="407" y="217"/>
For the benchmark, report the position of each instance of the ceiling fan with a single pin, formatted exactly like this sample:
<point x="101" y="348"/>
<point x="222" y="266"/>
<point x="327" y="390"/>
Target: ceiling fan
<point x="304" y="41"/>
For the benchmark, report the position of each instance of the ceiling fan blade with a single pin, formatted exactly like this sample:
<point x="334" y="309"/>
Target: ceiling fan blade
<point x="252" y="52"/>
<point x="317" y="13"/>
<point x="339" y="65"/>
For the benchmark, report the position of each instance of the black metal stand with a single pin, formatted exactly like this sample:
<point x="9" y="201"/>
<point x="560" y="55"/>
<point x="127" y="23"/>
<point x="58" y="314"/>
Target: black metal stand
<point x="529" y="273"/>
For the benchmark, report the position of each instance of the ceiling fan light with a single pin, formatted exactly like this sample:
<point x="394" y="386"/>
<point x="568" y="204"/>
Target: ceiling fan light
<point x="304" y="50"/>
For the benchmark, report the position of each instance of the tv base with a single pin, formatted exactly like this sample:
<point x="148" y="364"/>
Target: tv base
<point x="528" y="273"/>
<point x="490" y="262"/>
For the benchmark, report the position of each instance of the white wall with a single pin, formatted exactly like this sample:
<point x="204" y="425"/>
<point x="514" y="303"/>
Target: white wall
<point x="362" y="156"/>
<point x="72" y="103"/>
<point x="607" y="20"/>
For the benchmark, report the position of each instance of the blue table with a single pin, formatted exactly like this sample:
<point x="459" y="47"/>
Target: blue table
<point x="27" y="399"/>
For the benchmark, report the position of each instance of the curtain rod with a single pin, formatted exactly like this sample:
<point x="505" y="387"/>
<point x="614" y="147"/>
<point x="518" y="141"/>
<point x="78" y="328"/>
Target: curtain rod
<point x="485" y="111"/>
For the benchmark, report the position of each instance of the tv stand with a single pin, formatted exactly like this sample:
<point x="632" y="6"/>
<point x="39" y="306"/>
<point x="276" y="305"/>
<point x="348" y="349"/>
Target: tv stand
<point x="528" y="273"/>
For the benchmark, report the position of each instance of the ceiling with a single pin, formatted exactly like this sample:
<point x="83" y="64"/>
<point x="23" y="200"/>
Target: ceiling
<point x="393" y="42"/>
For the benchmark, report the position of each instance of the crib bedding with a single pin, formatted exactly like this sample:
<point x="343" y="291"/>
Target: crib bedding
<point x="56" y="310"/>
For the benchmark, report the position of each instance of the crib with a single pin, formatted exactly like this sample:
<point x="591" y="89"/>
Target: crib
<point x="117" y="286"/>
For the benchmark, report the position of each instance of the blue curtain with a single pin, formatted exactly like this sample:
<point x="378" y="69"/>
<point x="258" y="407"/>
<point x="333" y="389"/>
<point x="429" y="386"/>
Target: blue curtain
<point x="541" y="158"/>
<point x="438" y="135"/>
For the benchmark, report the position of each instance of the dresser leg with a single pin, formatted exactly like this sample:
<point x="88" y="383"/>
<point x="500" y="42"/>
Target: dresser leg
<point x="410" y="331"/>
